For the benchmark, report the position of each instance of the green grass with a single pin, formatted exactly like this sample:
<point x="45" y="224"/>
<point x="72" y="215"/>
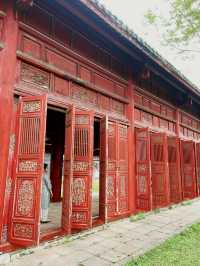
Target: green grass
<point x="181" y="250"/>
<point x="137" y="217"/>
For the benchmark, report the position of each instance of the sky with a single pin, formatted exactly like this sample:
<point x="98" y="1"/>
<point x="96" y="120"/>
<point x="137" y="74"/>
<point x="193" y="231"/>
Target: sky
<point x="131" y="12"/>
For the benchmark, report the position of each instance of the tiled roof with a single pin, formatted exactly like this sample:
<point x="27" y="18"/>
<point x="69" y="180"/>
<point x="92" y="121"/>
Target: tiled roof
<point x="129" y="34"/>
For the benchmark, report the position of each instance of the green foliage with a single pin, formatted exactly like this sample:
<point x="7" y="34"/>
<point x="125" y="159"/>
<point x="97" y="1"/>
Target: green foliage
<point x="185" y="203"/>
<point x="182" y="24"/>
<point x="181" y="250"/>
<point x="137" y="217"/>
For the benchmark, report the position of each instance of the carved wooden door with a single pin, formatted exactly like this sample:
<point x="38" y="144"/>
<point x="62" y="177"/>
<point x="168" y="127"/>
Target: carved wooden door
<point x="117" y="171"/>
<point x="160" y="171"/>
<point x="188" y="169"/>
<point x="111" y="179"/>
<point x="103" y="167"/>
<point x="82" y="167"/>
<point x="174" y="169"/>
<point x="68" y="170"/>
<point x="197" y="152"/>
<point x="27" y="171"/>
<point x="122" y="167"/>
<point x="143" y="169"/>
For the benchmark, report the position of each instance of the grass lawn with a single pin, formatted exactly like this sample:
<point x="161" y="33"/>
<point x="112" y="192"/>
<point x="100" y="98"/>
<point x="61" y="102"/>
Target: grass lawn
<point x="181" y="250"/>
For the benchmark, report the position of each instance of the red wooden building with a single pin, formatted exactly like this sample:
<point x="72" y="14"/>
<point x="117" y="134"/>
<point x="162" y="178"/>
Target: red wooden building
<point x="76" y="84"/>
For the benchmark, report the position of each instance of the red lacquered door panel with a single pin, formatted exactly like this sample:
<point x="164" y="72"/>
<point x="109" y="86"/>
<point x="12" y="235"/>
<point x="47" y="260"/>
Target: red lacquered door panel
<point x="27" y="171"/>
<point x="174" y="169"/>
<point x="117" y="170"/>
<point x="82" y="170"/>
<point x="122" y="174"/>
<point x="68" y="170"/>
<point x="188" y="169"/>
<point x="160" y="171"/>
<point x="143" y="171"/>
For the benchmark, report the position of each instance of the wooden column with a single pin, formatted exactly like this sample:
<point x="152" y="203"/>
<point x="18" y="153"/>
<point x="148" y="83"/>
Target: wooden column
<point x="131" y="146"/>
<point x="7" y="79"/>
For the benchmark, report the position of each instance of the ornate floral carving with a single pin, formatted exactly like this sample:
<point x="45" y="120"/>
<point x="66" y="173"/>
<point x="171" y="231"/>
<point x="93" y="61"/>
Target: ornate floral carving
<point x="4" y="234"/>
<point x="23" y="230"/>
<point x="27" y="166"/>
<point x="31" y="107"/>
<point x="25" y="199"/>
<point x="78" y="191"/>
<point x="81" y="166"/>
<point x="110" y="189"/>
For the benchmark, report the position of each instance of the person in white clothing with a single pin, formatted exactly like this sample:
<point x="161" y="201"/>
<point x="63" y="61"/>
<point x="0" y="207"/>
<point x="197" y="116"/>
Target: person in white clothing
<point x="46" y="195"/>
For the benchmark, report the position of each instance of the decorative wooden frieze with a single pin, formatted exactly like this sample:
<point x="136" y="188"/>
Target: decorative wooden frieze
<point x="27" y="166"/>
<point x="32" y="107"/>
<point x="82" y="120"/>
<point x="35" y="76"/>
<point x="80" y="166"/>
<point x="23" y="230"/>
<point x="25" y="198"/>
<point x="84" y="95"/>
<point x="118" y="107"/>
<point x="78" y="217"/>
<point x="154" y="106"/>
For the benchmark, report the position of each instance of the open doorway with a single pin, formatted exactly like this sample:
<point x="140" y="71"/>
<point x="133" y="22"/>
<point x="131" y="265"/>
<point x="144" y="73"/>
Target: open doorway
<point x="54" y="150"/>
<point x="96" y="171"/>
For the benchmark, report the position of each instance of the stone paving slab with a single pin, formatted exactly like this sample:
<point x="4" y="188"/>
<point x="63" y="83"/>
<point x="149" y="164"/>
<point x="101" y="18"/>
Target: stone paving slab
<point x="114" y="243"/>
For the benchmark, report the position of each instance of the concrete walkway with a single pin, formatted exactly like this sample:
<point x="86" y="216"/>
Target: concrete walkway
<point x="115" y="243"/>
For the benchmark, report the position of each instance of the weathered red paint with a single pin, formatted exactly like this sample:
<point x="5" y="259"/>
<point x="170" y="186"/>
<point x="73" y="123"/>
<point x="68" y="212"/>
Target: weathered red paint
<point x="27" y="171"/>
<point x="45" y="53"/>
